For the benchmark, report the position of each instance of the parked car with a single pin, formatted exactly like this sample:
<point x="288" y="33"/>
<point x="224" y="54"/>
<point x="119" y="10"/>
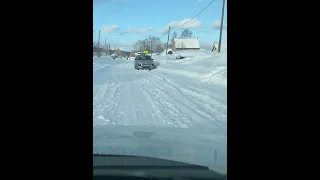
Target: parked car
<point x="144" y="62"/>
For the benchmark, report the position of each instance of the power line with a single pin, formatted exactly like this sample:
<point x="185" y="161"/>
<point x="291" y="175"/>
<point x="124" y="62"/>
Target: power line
<point x="164" y="34"/>
<point x="195" y="15"/>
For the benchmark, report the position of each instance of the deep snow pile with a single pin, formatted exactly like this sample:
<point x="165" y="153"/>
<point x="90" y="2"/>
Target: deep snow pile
<point x="164" y="51"/>
<point x="193" y="53"/>
<point x="203" y="65"/>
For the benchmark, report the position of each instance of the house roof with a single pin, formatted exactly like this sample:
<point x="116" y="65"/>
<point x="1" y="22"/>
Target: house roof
<point x="186" y="43"/>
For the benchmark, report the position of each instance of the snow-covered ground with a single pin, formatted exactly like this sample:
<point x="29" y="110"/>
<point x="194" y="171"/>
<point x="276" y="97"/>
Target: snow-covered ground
<point x="177" y="111"/>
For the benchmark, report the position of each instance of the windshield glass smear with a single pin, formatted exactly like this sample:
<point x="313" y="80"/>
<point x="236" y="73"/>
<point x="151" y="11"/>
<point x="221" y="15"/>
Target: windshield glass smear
<point x="173" y="107"/>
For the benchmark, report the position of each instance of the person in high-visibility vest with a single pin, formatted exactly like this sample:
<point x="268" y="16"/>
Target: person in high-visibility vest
<point x="146" y="52"/>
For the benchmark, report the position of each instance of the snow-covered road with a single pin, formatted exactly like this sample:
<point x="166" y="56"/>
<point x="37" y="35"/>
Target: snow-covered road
<point x="187" y="95"/>
<point x="125" y="96"/>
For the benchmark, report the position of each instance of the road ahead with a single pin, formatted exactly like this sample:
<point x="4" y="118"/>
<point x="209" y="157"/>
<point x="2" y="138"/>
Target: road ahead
<point x="161" y="97"/>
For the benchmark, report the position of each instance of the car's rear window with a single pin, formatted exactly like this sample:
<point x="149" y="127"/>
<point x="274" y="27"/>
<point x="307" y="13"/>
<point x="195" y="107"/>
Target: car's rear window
<point x="143" y="58"/>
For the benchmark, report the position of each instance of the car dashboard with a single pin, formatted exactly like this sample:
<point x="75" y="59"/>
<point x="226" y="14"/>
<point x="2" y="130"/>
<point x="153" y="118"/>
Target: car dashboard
<point x="137" y="167"/>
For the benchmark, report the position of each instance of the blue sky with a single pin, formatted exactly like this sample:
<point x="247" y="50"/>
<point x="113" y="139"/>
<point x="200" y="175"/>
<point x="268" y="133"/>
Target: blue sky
<point x="123" y="22"/>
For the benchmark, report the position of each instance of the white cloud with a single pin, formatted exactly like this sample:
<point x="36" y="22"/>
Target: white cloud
<point x="217" y="23"/>
<point x="110" y="29"/>
<point x="194" y="23"/>
<point x="162" y="31"/>
<point x="139" y="30"/>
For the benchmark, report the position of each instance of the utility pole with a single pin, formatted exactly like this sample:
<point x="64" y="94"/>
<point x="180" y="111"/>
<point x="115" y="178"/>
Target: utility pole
<point x="108" y="52"/>
<point x="151" y="47"/>
<point x="99" y="44"/>
<point x="221" y="26"/>
<point x="168" y="41"/>
<point x="105" y="44"/>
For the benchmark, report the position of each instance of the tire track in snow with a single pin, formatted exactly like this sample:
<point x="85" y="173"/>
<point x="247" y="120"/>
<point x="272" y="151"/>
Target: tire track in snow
<point x="129" y="115"/>
<point x="157" y="104"/>
<point x="214" y="109"/>
<point x="210" y="110"/>
<point x="193" y="93"/>
<point x="105" y="107"/>
<point x="211" y="93"/>
<point x="143" y="101"/>
<point x="154" y="113"/>
<point x="135" y="104"/>
<point x="167" y="111"/>
<point x="97" y="67"/>
<point x="181" y="106"/>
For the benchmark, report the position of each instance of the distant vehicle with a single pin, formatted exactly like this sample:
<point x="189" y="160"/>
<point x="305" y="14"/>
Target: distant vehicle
<point x="139" y="53"/>
<point x="114" y="56"/>
<point x="143" y="62"/>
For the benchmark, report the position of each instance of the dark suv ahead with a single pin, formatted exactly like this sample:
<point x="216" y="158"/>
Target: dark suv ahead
<point x="143" y="62"/>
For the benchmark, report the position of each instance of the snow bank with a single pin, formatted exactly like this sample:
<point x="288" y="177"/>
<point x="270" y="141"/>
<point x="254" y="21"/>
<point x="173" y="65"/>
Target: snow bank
<point x="205" y="66"/>
<point x="164" y="52"/>
<point x="193" y="53"/>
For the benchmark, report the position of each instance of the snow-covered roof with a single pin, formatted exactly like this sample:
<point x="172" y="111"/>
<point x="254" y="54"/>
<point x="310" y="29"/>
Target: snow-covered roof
<point x="186" y="43"/>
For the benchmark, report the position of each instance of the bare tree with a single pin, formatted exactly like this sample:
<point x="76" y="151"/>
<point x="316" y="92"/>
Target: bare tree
<point x="157" y="45"/>
<point x="174" y="35"/>
<point x="186" y="33"/>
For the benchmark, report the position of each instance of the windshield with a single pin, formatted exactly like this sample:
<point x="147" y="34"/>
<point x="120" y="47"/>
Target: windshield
<point x="174" y="107"/>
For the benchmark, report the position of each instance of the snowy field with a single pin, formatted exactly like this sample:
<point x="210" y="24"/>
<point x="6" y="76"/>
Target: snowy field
<point x="177" y="111"/>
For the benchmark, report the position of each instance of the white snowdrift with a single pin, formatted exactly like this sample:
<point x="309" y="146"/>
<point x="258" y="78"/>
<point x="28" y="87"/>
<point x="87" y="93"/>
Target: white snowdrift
<point x="164" y="51"/>
<point x="204" y="66"/>
<point x="193" y="53"/>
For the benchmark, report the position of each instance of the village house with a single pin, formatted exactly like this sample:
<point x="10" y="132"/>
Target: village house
<point x="185" y="44"/>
